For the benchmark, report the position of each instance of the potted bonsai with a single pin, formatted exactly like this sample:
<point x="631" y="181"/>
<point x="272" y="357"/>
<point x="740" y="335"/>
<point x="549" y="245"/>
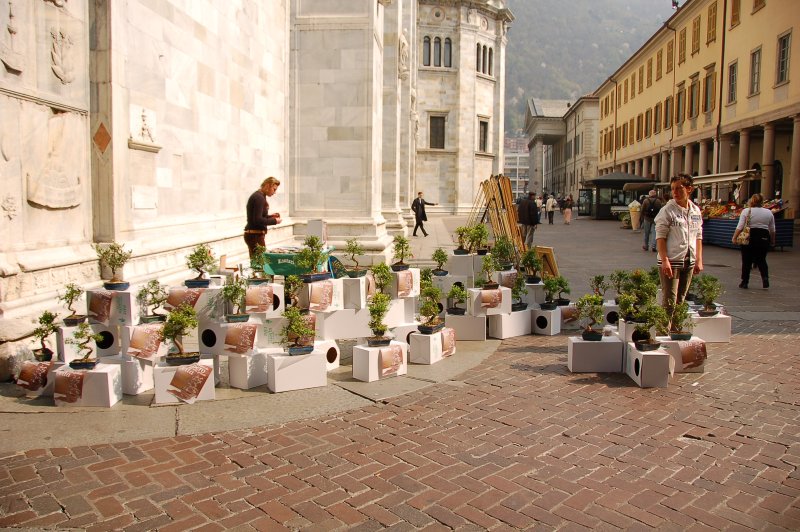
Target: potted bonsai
<point x="462" y="234"/>
<point x="440" y="258"/>
<point x="590" y="311"/>
<point x="503" y="253"/>
<point x="233" y="294"/>
<point x="180" y="321"/>
<point x="681" y="324"/>
<point x="489" y="266"/>
<point x="257" y="264"/>
<point x="150" y="297"/>
<point x="551" y="287"/>
<point x="297" y="335"/>
<point x="708" y="290"/>
<point x="517" y="292"/>
<point x="533" y="265"/>
<point x="655" y="275"/>
<point x="81" y="337"/>
<point x="291" y="288"/>
<point x="639" y="285"/>
<point x="47" y="326"/>
<point x="72" y="293"/>
<point x="378" y="307"/>
<point x="425" y="278"/>
<point x="457" y="295"/>
<point x="653" y="316"/>
<point x="563" y="288"/>
<point x="383" y="276"/>
<point x="353" y="249"/>
<point x="429" y="308"/>
<point x="402" y="249"/>
<point x="618" y="278"/>
<point x="478" y="239"/>
<point x="311" y="259"/>
<point x="201" y="259"/>
<point x="599" y="285"/>
<point x="113" y="256"/>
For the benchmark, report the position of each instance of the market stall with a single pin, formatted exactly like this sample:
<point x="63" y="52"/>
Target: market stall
<point x="610" y="197"/>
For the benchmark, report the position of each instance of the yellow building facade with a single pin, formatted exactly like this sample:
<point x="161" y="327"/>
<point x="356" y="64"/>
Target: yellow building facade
<point x="716" y="89"/>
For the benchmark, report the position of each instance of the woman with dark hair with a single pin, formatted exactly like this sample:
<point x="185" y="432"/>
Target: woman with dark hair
<point x="762" y="234"/>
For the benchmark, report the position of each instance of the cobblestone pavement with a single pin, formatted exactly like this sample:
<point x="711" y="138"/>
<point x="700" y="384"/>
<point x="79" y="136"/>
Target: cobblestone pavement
<point x="516" y="442"/>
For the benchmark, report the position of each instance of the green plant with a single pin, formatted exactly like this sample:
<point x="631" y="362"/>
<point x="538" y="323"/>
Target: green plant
<point x="519" y="289"/>
<point x="47" y="326"/>
<point x="291" y="287"/>
<point x="180" y="321"/>
<point x="462" y="233"/>
<point x="708" y="289"/>
<point x="531" y="262"/>
<point x="488" y="267"/>
<point x="599" y="285"/>
<point x="312" y="256"/>
<point x="551" y="286"/>
<point x="626" y="306"/>
<point x="297" y="331"/>
<point x="652" y="316"/>
<point x="71" y="294"/>
<point x="151" y="296"/>
<point x="478" y="237"/>
<point x="234" y="293"/>
<point x="655" y="275"/>
<point x="590" y="310"/>
<point x="429" y="304"/>
<point x="480" y="281"/>
<point x="425" y="278"/>
<point x="201" y="259"/>
<point x="503" y="251"/>
<point x="353" y="249"/>
<point x="114" y="256"/>
<point x="457" y="294"/>
<point x="681" y="320"/>
<point x="642" y="288"/>
<point x="563" y="286"/>
<point x="383" y="276"/>
<point x="81" y="337"/>
<point x="439" y="257"/>
<point x="402" y="248"/>
<point x="258" y="261"/>
<point x="618" y="278"/>
<point x="378" y="308"/>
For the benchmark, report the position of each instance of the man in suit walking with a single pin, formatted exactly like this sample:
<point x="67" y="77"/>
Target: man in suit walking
<point x="418" y="206"/>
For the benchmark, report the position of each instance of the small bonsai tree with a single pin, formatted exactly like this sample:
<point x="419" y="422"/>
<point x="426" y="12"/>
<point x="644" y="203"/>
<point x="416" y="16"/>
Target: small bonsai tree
<point x="440" y="258"/>
<point x="297" y="332"/>
<point x="81" y="337"/>
<point x="429" y="305"/>
<point x="590" y="310"/>
<point x="258" y="261"/>
<point x="383" y="276"/>
<point x="599" y="285"/>
<point x="291" y="287"/>
<point x="72" y="293"/>
<point x="462" y="234"/>
<point x="708" y="289"/>
<point x="652" y="316"/>
<point x="478" y="237"/>
<point x="655" y="275"/>
<point x="425" y="278"/>
<point x="681" y="322"/>
<point x="114" y="256"/>
<point x="201" y="259"/>
<point x="402" y="249"/>
<point x="47" y="326"/>
<point x="642" y="288"/>
<point x="310" y="258"/>
<point x="378" y="308"/>
<point x="551" y="288"/>
<point x="353" y="249"/>
<point x="233" y="293"/>
<point x="627" y="307"/>
<point x="458" y="295"/>
<point x="503" y="252"/>
<point x="563" y="287"/>
<point x="488" y="267"/>
<point x="519" y="289"/>
<point x="618" y="278"/>
<point x="180" y="321"/>
<point x="151" y="296"/>
<point x="532" y="264"/>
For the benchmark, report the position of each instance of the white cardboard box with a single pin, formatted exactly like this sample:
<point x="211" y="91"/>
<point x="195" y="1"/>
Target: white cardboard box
<point x="355" y="292"/>
<point x="411" y="290"/>
<point x="110" y="344"/>
<point x="256" y="305"/>
<point x="626" y="329"/>
<point x="475" y="307"/>
<point x="402" y="332"/>
<point x="688" y="356"/>
<point x="506" y="278"/>
<point x="299" y="372"/>
<point x="510" y="325"/>
<point x="112" y="307"/>
<point x="66" y="352"/>
<point x="713" y="329"/>
<point x="369" y="366"/>
<point x="314" y="296"/>
<point x="163" y="374"/>
<point x="203" y="300"/>
<point x="425" y="348"/>
<point x="605" y="356"/>
<point x="240" y="338"/>
<point x="342" y="324"/>
<point x="245" y="372"/>
<point x="102" y="386"/>
<point x="446" y="282"/>
<point x="400" y="311"/>
<point x="330" y="349"/>
<point x="569" y="318"/>
<point x="211" y="337"/>
<point x="143" y="341"/>
<point x="467" y="327"/>
<point x="535" y="295"/>
<point x="610" y="313"/>
<point x="47" y="389"/>
<point x="546" y="322"/>
<point x="137" y="375"/>
<point x="269" y="334"/>
<point x="462" y="265"/>
<point x="648" y="369"/>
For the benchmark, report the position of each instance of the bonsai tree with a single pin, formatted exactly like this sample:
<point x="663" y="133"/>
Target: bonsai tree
<point x="551" y="287"/>
<point x="291" y="287"/>
<point x="47" y="326"/>
<point x="532" y="264"/>
<point x="378" y="308"/>
<point x="383" y="276"/>
<point x="652" y="316"/>
<point x="457" y="295"/>
<point x="519" y="290"/>
<point x="489" y="266"/>
<point x="72" y="293"/>
<point x="655" y="275"/>
<point x="429" y="306"/>
<point x="563" y="288"/>
<point x="180" y="321"/>
<point x="297" y="332"/>
<point x="402" y="249"/>
<point x="618" y="278"/>
<point x="425" y="278"/>
<point x="258" y="261"/>
<point x="114" y="256"/>
<point x="599" y="285"/>
<point x="353" y="249"/>
<point x="503" y="252"/>
<point x="681" y="323"/>
<point x="462" y="234"/>
<point x="233" y="293"/>
<point x="590" y="311"/>
<point x="440" y="258"/>
<point x="478" y="237"/>
<point x="201" y="259"/>
<point x="642" y="288"/>
<point x="151" y="296"/>
<point x="81" y="337"/>
<point x="626" y="306"/>
<point x="311" y="256"/>
<point x="708" y="289"/>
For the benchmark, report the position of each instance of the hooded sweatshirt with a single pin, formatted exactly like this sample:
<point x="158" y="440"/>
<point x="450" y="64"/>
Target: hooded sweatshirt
<point x="681" y="228"/>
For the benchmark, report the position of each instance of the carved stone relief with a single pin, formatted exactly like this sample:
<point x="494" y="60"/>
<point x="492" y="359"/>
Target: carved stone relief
<point x="9" y="41"/>
<point x="57" y="3"/>
<point x="403" y="63"/>
<point x="61" y="57"/>
<point x="142" y="123"/>
<point x="58" y="184"/>
<point x="10" y="206"/>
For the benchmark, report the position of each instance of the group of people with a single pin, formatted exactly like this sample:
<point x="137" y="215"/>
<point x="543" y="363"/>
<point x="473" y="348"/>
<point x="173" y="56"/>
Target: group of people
<point x="531" y="210"/>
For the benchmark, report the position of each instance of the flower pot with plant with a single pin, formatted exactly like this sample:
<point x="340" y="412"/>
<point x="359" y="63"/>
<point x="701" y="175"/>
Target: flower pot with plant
<point x="681" y="324"/>
<point x="618" y="278"/>
<point x="590" y="313"/>
<point x="151" y="297"/>
<point x="233" y="293"/>
<point x="429" y="309"/>
<point x="488" y="268"/>
<point x="72" y="293"/>
<point x="378" y="307"/>
<point x="551" y="287"/>
<point x="297" y="335"/>
<point x="201" y="259"/>
<point x="708" y="289"/>
<point x="563" y="288"/>
<point x="532" y="264"/>
<point x="440" y="258"/>
<point x="462" y="234"/>
<point x="113" y="256"/>
<point x="382" y="275"/>
<point x="599" y="285"/>
<point x="425" y="278"/>
<point x="652" y="316"/>
<point x="639" y="284"/>
<point x="478" y="239"/>
<point x="503" y="253"/>
<point x="353" y="250"/>
<point x="311" y="259"/>
<point x="402" y="249"/>
<point x="457" y="295"/>
<point x="81" y="337"/>
<point x="47" y="326"/>
<point x="518" y="291"/>
<point x="180" y="321"/>
<point x="258" y="262"/>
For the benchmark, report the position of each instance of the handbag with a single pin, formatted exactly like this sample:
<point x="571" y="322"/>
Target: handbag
<point x="744" y="237"/>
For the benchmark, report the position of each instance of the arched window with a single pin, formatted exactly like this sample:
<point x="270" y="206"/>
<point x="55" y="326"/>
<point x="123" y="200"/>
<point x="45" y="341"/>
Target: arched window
<point x="437" y="52"/>
<point x="491" y="60"/>
<point x="483" y="60"/>
<point x="426" y="51"/>
<point x="478" y="59"/>
<point x="448" y="53"/>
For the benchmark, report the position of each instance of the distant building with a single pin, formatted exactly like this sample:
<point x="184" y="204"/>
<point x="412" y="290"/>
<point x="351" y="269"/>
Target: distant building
<point x="516" y="165"/>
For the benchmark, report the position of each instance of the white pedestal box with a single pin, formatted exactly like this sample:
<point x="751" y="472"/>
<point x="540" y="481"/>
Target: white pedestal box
<point x="137" y="375"/>
<point x="299" y="372"/>
<point x="199" y="298"/>
<point x="322" y="296"/>
<point x="102" y="386"/>
<point x="546" y="322"/>
<point x="625" y="330"/>
<point x="109" y="343"/>
<point x="112" y="307"/>
<point x="401" y="332"/>
<point x="66" y="352"/>
<point x="259" y="303"/>
<point x="43" y="391"/>
<point x="713" y="329"/>
<point x="249" y="371"/>
<point x="689" y="356"/>
<point x="467" y="327"/>
<point x="463" y="265"/>
<point x="605" y="356"/>
<point x="341" y="324"/>
<point x="376" y="363"/>
<point x="404" y="284"/>
<point x="648" y="369"/>
<point x="355" y="292"/>
<point x="569" y="318"/>
<point x="425" y="348"/>
<point x="446" y="282"/>
<point x="401" y="311"/>
<point x="163" y="375"/>
<point x="477" y="301"/>
<point x="210" y="337"/>
<point x="535" y="295"/>
<point x="506" y="278"/>
<point x="610" y="313"/>
<point x="240" y="338"/>
<point x="269" y="334"/>
<point x="509" y="325"/>
<point x="143" y="342"/>
<point x="330" y="349"/>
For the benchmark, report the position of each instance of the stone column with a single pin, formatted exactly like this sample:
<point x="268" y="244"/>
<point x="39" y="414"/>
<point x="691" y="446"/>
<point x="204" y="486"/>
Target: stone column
<point x="646" y="167"/>
<point x="538" y="162"/>
<point x="630" y="167"/>
<point x="768" y="162"/>
<point x="664" y="174"/>
<point x="654" y="166"/>
<point x="702" y="162"/>
<point x="794" y="171"/>
<point x="637" y="168"/>
<point x="395" y="75"/>
<point x="744" y="161"/>
<point x="677" y="161"/>
<point x="688" y="160"/>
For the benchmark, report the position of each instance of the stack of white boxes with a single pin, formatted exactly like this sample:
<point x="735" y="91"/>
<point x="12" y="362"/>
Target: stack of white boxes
<point x="401" y="316"/>
<point x="462" y="269"/>
<point x="380" y="362"/>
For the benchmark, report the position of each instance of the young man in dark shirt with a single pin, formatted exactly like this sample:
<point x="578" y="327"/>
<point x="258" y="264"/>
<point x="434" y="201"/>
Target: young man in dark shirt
<point x="258" y="216"/>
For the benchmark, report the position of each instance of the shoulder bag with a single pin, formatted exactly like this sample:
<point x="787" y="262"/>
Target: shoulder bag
<point x="744" y="237"/>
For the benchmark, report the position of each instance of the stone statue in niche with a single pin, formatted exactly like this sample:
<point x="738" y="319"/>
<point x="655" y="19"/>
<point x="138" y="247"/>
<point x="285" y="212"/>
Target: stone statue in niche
<point x="59" y="186"/>
<point x="404" y="61"/>
<point x="472" y="16"/>
<point x="145" y="133"/>
<point x="414" y="116"/>
<point x="9" y="55"/>
<point x="59" y="55"/>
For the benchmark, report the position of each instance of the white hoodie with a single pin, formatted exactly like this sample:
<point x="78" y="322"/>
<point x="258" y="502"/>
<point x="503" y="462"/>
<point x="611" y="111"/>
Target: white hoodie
<point x="681" y="228"/>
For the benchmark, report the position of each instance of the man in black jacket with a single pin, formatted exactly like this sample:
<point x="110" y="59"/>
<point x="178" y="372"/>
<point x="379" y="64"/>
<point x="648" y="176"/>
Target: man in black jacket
<point x="528" y="218"/>
<point x="258" y="216"/>
<point x="418" y="206"/>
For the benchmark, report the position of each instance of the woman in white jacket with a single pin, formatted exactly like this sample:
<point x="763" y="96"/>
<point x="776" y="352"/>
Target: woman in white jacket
<point x="679" y="240"/>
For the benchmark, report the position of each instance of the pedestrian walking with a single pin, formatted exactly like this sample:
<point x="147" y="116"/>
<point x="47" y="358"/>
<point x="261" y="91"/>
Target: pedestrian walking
<point x="568" y="204"/>
<point x="418" y="206"/>
<point x="651" y="205"/>
<point x="761" y="223"/>
<point x="550" y="207"/>
<point x="528" y="218"/>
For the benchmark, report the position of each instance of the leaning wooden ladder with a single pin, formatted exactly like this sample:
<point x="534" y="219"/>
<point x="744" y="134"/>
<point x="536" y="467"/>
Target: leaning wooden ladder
<point x="494" y="203"/>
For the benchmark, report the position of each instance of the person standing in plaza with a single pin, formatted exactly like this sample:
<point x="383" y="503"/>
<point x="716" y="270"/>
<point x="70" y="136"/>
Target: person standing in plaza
<point x="550" y="207"/>
<point x="418" y="206"/>
<point x="679" y="240"/>
<point x="528" y="218"/>
<point x="651" y="205"/>
<point x="761" y="222"/>
<point x="568" y="204"/>
<point x="258" y="216"/>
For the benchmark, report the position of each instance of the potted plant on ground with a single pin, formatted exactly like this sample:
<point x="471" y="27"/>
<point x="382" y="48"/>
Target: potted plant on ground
<point x="311" y="259"/>
<point x="180" y="321"/>
<point x="503" y="253"/>
<point x="72" y="293"/>
<point x="297" y="335"/>
<point x="383" y="276"/>
<point x="478" y="239"/>
<point x="532" y="264"/>
<point x="618" y="278"/>
<point x="457" y="295"/>
<point x="708" y="289"/>
<point x="440" y="258"/>
<point x="563" y="288"/>
<point x="47" y="326"/>
<point x="402" y="249"/>
<point x="291" y="288"/>
<point x="639" y="284"/>
<point x="150" y="297"/>
<point x="81" y="337"/>
<point x="462" y="233"/>
<point x="429" y="308"/>
<point x="681" y="324"/>
<point x="113" y="256"/>
<point x="599" y="285"/>
<point x="201" y="259"/>
<point x="489" y="266"/>
<point x="551" y="287"/>
<point x="653" y="316"/>
<point x="353" y="249"/>
<point x="590" y="311"/>
<point x="233" y="294"/>
<point x="517" y="292"/>
<point x="378" y="307"/>
<point x="257" y="263"/>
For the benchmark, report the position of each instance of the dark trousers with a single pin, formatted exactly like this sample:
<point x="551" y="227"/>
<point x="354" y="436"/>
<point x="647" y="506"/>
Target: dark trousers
<point x="550" y="215"/>
<point x="252" y="240"/>
<point x="756" y="253"/>
<point x="419" y="224"/>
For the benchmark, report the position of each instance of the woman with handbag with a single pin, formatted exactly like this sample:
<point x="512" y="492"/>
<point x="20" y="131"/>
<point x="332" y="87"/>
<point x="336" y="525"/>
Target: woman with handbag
<point x="755" y="233"/>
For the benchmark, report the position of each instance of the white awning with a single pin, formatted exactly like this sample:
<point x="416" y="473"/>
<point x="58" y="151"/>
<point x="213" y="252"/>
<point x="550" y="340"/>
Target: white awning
<point x="727" y="177"/>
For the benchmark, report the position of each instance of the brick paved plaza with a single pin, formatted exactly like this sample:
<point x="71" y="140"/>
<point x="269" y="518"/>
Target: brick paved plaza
<point x="516" y="442"/>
